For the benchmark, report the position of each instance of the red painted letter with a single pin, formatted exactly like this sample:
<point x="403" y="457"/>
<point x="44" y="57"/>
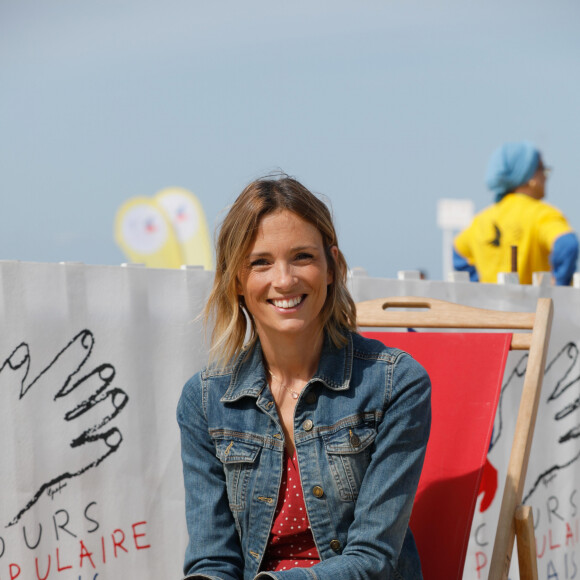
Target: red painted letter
<point x="136" y="535"/>
<point x="14" y="571"/>
<point x="540" y="554"/>
<point x="58" y="566"/>
<point x="569" y="534"/>
<point x="86" y="554"/>
<point x="480" y="562"/>
<point x="120" y="543"/>
<point x="47" y="571"/>
<point x="552" y="545"/>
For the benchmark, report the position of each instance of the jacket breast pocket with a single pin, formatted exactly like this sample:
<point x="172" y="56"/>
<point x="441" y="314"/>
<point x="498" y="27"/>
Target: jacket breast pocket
<point x="349" y="454"/>
<point x="238" y="457"/>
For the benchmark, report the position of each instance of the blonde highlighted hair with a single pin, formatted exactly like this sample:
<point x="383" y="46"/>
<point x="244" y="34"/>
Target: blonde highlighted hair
<point x="225" y="308"/>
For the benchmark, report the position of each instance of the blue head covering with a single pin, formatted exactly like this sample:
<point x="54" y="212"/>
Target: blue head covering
<point x="510" y="166"/>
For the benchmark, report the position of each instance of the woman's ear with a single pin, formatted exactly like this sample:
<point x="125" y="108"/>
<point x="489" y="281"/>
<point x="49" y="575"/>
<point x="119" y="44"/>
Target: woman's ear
<point x="332" y="267"/>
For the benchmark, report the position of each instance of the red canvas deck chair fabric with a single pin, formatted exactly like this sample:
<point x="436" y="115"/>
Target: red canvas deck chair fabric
<point x="466" y="370"/>
<point x="468" y="381"/>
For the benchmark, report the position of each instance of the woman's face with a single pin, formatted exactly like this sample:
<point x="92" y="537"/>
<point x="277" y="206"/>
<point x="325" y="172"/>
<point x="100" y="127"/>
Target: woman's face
<point x="538" y="181"/>
<point x="285" y="276"/>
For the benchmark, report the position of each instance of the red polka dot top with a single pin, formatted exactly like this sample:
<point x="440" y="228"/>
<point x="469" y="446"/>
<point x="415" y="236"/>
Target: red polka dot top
<point x="291" y="543"/>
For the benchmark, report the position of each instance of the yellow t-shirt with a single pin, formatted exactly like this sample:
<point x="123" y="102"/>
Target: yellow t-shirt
<point x="517" y="220"/>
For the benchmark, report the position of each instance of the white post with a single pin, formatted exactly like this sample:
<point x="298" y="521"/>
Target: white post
<point x="447" y="253"/>
<point x="452" y="215"/>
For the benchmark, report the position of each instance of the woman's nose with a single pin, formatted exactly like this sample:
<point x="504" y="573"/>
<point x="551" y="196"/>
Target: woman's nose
<point x="283" y="276"/>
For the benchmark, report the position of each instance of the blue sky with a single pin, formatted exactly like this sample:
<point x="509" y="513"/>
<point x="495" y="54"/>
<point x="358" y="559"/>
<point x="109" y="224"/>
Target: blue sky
<point x="384" y="107"/>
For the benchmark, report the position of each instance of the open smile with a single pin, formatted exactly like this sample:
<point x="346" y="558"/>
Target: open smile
<point x="287" y="302"/>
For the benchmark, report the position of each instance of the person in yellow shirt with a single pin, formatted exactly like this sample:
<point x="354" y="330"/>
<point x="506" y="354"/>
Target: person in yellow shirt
<point x="517" y="176"/>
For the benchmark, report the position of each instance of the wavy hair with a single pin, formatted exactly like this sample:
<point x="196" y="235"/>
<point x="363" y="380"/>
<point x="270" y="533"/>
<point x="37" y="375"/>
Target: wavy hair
<point x="226" y="309"/>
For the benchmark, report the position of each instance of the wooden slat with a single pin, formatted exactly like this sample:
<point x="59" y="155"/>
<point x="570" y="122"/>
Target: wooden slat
<point x="527" y="559"/>
<point x="520" y="453"/>
<point x="384" y="312"/>
<point x="521" y="341"/>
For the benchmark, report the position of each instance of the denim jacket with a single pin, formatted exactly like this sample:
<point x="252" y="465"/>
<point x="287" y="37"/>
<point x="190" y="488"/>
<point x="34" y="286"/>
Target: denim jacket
<point x="361" y="426"/>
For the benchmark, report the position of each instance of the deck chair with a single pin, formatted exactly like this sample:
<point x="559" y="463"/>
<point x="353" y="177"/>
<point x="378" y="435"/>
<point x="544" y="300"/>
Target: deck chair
<point x="465" y="384"/>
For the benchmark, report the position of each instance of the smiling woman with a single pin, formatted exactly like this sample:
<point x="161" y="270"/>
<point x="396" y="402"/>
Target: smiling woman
<point x="302" y="442"/>
<point x="240" y="235"/>
<point x="284" y="284"/>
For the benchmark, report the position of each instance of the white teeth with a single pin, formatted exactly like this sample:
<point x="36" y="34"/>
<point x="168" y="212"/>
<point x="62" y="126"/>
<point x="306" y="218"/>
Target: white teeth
<point x="287" y="303"/>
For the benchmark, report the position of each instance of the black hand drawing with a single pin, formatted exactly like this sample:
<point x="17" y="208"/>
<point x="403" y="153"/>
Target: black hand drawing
<point x="517" y="372"/>
<point x="563" y="378"/>
<point x="562" y="385"/>
<point x="57" y="426"/>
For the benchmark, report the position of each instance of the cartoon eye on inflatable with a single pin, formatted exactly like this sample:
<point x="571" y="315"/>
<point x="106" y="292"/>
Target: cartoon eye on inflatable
<point x="187" y="217"/>
<point x="181" y="210"/>
<point x="145" y="234"/>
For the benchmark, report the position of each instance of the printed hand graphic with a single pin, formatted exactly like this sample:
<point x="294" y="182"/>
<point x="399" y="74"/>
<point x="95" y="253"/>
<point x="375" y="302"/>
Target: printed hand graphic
<point x="562" y="386"/>
<point x="54" y="427"/>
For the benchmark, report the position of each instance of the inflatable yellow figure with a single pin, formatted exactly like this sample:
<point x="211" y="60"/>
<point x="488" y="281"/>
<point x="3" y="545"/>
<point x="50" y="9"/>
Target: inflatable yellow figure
<point x="145" y="234"/>
<point x="186" y="214"/>
<point x="166" y="231"/>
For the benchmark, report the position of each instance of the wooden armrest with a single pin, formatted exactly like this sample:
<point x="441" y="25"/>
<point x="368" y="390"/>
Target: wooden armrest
<point x="526" y="542"/>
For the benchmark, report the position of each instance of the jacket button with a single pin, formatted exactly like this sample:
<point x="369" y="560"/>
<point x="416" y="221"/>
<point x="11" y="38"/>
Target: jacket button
<point x="308" y="424"/>
<point x="354" y="440"/>
<point x="310" y="398"/>
<point x="335" y="545"/>
<point x="317" y="491"/>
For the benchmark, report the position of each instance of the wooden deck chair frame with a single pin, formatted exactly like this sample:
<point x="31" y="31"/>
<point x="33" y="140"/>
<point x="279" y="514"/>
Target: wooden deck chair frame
<point x="514" y="520"/>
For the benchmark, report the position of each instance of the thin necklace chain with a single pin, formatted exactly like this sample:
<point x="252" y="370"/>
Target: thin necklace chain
<point x="294" y="394"/>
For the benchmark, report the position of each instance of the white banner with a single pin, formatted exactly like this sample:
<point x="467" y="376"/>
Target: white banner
<point x="92" y="362"/>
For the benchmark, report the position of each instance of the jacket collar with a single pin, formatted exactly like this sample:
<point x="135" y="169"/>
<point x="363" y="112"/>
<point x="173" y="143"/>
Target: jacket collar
<point x="249" y="375"/>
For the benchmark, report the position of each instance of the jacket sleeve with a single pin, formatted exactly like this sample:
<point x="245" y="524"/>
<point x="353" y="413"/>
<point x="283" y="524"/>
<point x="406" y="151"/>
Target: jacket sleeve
<point x="556" y="236"/>
<point x="463" y="256"/>
<point x="213" y="551"/>
<point x="460" y="264"/>
<point x="380" y="526"/>
<point x="563" y="258"/>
